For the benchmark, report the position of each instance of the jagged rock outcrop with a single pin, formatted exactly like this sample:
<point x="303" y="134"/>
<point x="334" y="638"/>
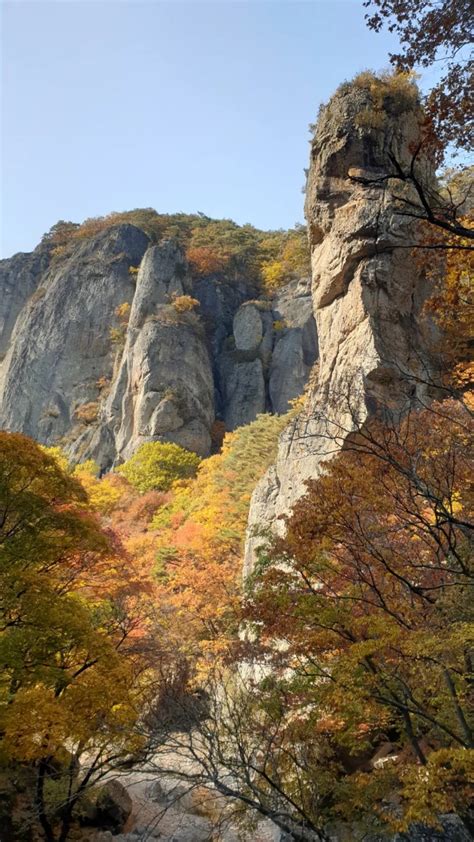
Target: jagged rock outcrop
<point x="367" y="292"/>
<point x="296" y="346"/>
<point x="164" y="386"/>
<point x="75" y="373"/>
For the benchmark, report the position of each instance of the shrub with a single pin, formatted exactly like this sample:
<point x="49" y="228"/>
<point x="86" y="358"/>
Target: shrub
<point x="390" y="93"/>
<point x="123" y="312"/>
<point x="285" y="256"/>
<point x="184" y="303"/>
<point x="103" y="384"/>
<point x="59" y="251"/>
<point x="87" y="413"/>
<point x="116" y="335"/>
<point x="157" y="465"/>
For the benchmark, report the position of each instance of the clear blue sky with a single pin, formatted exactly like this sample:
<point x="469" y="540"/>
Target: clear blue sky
<point x="180" y="106"/>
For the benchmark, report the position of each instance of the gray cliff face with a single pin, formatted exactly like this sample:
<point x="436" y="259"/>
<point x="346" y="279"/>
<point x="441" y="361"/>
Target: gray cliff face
<point x="164" y="387"/>
<point x="367" y="297"/>
<point x="296" y="348"/>
<point x="100" y="383"/>
<point x="19" y="277"/>
<point x="60" y="345"/>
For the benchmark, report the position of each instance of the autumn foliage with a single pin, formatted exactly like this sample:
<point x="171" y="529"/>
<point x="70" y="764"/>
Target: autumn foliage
<point x="74" y="628"/>
<point x="371" y="592"/>
<point x="267" y="259"/>
<point x="199" y="538"/>
<point x="157" y="465"/>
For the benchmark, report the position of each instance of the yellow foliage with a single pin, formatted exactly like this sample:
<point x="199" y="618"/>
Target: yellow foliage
<point x="157" y="465"/>
<point x="284" y="259"/>
<point x="273" y="275"/>
<point x="103" y="494"/>
<point x="123" y="312"/>
<point x="59" y="457"/>
<point x="116" y="335"/>
<point x="200" y="534"/>
<point x="184" y="303"/>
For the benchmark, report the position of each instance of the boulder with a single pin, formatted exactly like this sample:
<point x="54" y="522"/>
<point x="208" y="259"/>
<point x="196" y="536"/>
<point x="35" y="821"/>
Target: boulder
<point x="248" y="328"/>
<point x="114" y="806"/>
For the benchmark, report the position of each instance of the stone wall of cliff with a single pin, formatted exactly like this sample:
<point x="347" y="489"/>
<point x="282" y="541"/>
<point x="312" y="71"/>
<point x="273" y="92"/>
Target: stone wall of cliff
<point x="73" y="372"/>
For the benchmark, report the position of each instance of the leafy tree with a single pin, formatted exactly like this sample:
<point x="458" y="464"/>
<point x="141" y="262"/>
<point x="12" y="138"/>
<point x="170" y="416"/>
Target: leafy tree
<point x="452" y="306"/>
<point x="157" y="465"/>
<point x="102" y="494"/>
<point x="369" y="598"/>
<point x="73" y="635"/>
<point x="288" y="257"/>
<point x="351" y="704"/>
<point x="432" y="31"/>
<point x="205" y="260"/>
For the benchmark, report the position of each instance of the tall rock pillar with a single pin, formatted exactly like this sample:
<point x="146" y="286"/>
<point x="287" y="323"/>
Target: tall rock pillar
<point x="368" y="290"/>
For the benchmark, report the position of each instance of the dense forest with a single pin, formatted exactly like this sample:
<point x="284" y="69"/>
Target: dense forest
<point x="329" y="690"/>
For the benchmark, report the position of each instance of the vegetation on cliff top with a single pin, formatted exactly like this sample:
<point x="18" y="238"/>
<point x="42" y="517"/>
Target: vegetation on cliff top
<point x="212" y="246"/>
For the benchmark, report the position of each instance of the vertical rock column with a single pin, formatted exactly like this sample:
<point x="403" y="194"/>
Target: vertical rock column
<point x="163" y="389"/>
<point x="367" y="291"/>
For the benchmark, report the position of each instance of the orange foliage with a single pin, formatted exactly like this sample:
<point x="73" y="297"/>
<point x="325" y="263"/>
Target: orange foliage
<point x="205" y="260"/>
<point x="452" y="306"/>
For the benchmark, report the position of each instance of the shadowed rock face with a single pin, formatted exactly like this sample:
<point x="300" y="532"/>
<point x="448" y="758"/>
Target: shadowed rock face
<point x="273" y="348"/>
<point x="367" y="295"/>
<point x="75" y="373"/>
